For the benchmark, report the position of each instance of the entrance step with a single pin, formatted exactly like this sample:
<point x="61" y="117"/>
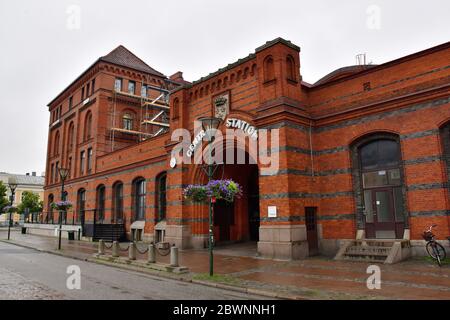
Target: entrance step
<point x="375" y="250"/>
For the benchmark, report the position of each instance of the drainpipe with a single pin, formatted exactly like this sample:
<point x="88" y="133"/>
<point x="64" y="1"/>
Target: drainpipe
<point x="311" y="150"/>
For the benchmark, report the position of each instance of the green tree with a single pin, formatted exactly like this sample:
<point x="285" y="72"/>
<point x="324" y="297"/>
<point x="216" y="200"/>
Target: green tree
<point x="3" y="198"/>
<point x="30" y="201"/>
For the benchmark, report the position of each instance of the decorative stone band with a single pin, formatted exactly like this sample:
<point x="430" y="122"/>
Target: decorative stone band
<point x="427" y="186"/>
<point x="433" y="213"/>
<point x="384" y="115"/>
<point x="299" y="195"/>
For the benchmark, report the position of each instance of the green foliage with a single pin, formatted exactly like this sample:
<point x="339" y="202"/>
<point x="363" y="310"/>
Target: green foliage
<point x="31" y="201"/>
<point x="3" y="198"/>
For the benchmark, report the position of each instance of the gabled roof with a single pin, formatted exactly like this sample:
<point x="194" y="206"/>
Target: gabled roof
<point x="22" y="179"/>
<point x="124" y="57"/>
<point x="343" y="72"/>
<point x="120" y="56"/>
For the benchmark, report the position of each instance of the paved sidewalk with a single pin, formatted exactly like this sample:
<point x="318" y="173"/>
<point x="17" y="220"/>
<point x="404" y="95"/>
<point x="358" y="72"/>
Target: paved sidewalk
<point x="313" y="278"/>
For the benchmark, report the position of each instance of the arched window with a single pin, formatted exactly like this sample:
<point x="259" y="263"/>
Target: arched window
<point x="70" y="137"/>
<point x="378" y="179"/>
<point x="100" y="205"/>
<point x="139" y="191"/>
<point x="269" y="73"/>
<point x="161" y="200"/>
<point x="118" y="202"/>
<point x="49" y="208"/>
<point x="127" y="121"/>
<point x="56" y="145"/>
<point x="290" y="68"/>
<point x="445" y="142"/>
<point x="81" y="203"/>
<point x="88" y="126"/>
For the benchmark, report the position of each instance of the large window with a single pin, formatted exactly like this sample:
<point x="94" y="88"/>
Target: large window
<point x="82" y="160"/>
<point x="139" y="190"/>
<point x="445" y="141"/>
<point x="100" y="203"/>
<point x="70" y="137"/>
<point x="52" y="173"/>
<point x="81" y="203"/>
<point x="118" y="202"/>
<point x="56" y="171"/>
<point x="161" y="200"/>
<point x="89" y="160"/>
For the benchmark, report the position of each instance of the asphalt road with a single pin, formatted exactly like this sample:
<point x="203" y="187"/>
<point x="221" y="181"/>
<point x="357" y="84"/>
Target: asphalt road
<point x="29" y="274"/>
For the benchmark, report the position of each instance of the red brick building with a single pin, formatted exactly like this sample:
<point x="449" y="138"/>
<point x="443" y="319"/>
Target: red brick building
<point x="363" y="153"/>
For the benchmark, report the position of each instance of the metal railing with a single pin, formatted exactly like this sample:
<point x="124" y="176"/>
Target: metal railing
<point x="88" y="219"/>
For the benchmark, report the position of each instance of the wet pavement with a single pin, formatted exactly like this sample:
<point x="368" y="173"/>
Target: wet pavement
<point x="312" y="278"/>
<point x="27" y="274"/>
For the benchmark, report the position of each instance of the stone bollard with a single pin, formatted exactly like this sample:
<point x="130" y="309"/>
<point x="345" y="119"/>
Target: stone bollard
<point x="115" y="249"/>
<point x="132" y="251"/>
<point x="151" y="253"/>
<point x="101" y="247"/>
<point x="174" y="256"/>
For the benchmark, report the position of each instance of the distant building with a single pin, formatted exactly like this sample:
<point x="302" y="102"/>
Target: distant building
<point x="25" y="182"/>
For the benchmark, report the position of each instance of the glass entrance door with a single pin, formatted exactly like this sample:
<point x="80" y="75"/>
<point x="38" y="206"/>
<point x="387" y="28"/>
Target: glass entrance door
<point x="380" y="213"/>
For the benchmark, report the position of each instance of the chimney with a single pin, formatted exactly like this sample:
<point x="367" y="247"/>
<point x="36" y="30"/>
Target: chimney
<point x="33" y="173"/>
<point x="177" y="77"/>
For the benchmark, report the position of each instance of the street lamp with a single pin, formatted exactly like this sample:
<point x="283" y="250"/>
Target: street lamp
<point x="63" y="173"/>
<point x="12" y="186"/>
<point x="209" y="125"/>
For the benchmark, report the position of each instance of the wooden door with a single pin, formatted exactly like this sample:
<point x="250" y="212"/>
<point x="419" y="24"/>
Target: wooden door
<point x="311" y="230"/>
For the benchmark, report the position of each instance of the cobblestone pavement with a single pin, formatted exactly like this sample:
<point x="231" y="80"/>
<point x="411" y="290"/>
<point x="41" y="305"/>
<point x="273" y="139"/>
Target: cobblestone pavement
<point x="313" y="278"/>
<point x="29" y="274"/>
<point x="13" y="286"/>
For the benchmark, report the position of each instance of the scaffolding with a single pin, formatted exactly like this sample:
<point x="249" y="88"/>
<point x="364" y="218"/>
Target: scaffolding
<point x="154" y="113"/>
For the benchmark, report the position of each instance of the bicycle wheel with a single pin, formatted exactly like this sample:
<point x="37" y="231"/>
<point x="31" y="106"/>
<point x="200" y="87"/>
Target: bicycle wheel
<point x="436" y="251"/>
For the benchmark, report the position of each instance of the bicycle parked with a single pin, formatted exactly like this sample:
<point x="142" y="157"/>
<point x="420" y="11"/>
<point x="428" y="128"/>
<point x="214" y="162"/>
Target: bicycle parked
<point x="434" y="249"/>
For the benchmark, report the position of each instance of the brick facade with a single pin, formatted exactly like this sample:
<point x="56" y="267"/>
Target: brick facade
<point x="320" y="129"/>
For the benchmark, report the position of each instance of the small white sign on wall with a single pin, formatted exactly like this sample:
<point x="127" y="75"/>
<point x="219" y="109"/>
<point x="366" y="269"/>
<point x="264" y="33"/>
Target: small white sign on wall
<point x="272" y="211"/>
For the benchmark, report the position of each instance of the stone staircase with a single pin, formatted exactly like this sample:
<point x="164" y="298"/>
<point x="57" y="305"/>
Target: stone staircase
<point x="375" y="250"/>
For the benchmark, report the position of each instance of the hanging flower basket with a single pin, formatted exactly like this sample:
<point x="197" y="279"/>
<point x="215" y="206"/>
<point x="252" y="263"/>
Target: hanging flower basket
<point x="61" y="205"/>
<point x="226" y="190"/>
<point x="9" y="209"/>
<point x="196" y="193"/>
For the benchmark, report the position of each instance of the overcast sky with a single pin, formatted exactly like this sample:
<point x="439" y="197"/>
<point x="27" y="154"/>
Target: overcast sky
<point x="46" y="44"/>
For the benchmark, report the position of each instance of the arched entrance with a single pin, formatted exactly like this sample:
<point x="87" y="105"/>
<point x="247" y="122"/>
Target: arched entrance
<point x="238" y="221"/>
<point x="379" y="187"/>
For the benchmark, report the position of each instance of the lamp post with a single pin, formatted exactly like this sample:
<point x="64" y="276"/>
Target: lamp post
<point x="63" y="173"/>
<point x="209" y="125"/>
<point x="12" y="186"/>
